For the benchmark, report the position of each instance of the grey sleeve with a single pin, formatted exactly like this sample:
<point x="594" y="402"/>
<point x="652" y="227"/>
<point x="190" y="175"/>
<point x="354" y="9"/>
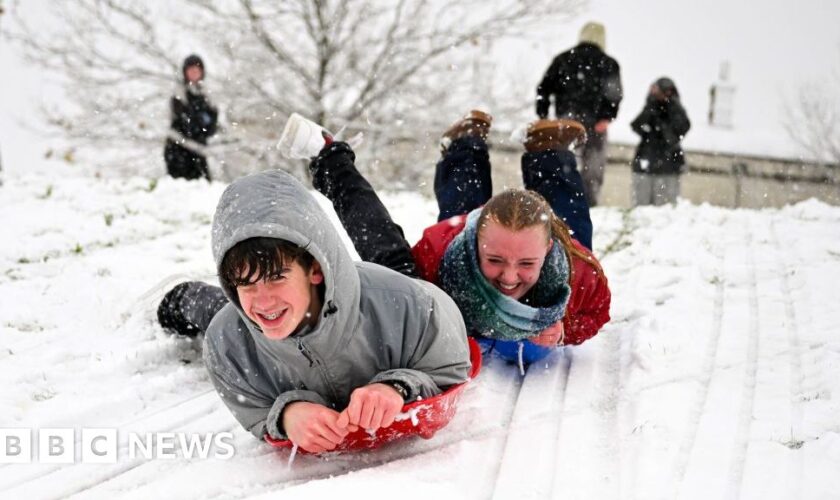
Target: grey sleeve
<point x="439" y="357"/>
<point x="248" y="407"/>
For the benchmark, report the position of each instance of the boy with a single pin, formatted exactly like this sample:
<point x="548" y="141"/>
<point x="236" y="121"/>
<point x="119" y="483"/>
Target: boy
<point x="312" y="345"/>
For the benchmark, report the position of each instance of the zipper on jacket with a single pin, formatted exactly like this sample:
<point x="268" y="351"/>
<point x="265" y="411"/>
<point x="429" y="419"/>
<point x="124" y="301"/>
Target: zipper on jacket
<point x="305" y="353"/>
<point x="314" y="360"/>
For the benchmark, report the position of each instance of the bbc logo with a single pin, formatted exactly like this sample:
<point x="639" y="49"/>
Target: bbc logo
<point x="58" y="446"/>
<point x="101" y="446"/>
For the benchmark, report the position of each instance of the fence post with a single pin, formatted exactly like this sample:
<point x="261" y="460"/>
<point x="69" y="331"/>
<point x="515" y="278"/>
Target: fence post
<point x="739" y="170"/>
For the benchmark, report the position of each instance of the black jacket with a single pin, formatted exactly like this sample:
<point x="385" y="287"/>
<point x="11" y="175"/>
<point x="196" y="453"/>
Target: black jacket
<point x="193" y="116"/>
<point x="585" y="83"/>
<point x="661" y="125"/>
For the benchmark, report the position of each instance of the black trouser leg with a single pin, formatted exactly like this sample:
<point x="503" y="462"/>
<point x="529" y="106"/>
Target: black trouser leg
<point x="554" y="175"/>
<point x="188" y="308"/>
<point x="462" y="177"/>
<point x="375" y="235"/>
<point x="183" y="163"/>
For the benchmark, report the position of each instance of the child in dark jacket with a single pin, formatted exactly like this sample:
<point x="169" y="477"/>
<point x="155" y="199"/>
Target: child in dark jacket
<point x="659" y="159"/>
<point x="193" y="121"/>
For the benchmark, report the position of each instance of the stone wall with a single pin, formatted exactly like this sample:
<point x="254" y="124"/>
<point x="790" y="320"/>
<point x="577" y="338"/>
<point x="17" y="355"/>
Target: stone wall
<point x="723" y="179"/>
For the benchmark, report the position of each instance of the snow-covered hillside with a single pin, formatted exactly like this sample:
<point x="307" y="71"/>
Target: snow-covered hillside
<point x="718" y="376"/>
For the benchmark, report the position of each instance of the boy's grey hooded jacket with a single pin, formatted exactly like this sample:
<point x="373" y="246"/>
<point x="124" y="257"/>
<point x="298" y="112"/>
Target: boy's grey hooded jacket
<point x="375" y="325"/>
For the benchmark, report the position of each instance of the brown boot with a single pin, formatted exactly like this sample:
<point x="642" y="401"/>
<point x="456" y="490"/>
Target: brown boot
<point x="554" y="134"/>
<point x="476" y="123"/>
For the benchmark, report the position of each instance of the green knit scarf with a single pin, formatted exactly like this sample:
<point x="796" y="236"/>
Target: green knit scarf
<point x="486" y="310"/>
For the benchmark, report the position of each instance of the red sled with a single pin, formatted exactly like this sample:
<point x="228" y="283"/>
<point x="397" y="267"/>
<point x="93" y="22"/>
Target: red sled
<point x="423" y="418"/>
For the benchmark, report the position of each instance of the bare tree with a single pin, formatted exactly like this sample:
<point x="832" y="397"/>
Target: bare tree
<point x="813" y="119"/>
<point x="366" y="64"/>
<point x="2" y="11"/>
<point x="813" y="122"/>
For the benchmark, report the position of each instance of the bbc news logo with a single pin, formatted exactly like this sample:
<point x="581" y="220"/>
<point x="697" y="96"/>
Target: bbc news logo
<point x="106" y="446"/>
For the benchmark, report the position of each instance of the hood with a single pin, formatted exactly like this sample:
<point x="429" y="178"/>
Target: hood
<point x="595" y="34"/>
<point x="667" y="86"/>
<point x="192" y="60"/>
<point x="275" y="205"/>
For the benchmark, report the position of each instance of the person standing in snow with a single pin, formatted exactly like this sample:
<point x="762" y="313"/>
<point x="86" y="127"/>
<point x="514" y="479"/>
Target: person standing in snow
<point x="300" y="342"/>
<point x="659" y="159"/>
<point x="193" y="121"/>
<point x="520" y="280"/>
<point x="586" y="86"/>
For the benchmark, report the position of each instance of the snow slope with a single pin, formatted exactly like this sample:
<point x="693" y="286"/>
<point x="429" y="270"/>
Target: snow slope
<point x="718" y="376"/>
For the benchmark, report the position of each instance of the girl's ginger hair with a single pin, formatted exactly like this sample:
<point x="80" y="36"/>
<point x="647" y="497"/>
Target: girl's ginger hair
<point x="517" y="209"/>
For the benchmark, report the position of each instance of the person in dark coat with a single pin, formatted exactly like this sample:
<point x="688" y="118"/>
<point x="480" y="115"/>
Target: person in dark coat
<point x="193" y="122"/>
<point x="586" y="86"/>
<point x="659" y="160"/>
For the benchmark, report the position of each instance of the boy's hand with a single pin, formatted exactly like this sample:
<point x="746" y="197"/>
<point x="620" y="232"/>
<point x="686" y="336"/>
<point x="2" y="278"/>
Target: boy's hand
<point x="371" y="407"/>
<point x="312" y="426"/>
<point x="551" y="336"/>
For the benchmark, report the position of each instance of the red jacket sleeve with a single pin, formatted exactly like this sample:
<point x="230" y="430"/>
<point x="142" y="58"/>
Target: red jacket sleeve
<point x="428" y="252"/>
<point x="589" y="304"/>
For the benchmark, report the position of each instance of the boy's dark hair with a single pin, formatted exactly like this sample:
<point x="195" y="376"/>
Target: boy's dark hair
<point x="263" y="258"/>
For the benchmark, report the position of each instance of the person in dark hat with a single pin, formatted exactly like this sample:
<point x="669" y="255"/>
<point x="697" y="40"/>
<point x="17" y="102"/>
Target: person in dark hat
<point x="585" y="84"/>
<point x="193" y="121"/>
<point x="659" y="159"/>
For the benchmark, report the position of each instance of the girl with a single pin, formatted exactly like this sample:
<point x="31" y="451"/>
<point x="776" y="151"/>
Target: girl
<point x="659" y="159"/>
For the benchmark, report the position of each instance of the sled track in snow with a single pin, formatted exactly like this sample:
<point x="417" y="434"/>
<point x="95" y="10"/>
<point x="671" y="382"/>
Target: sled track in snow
<point x="534" y="431"/>
<point x="587" y="414"/>
<point x="794" y="345"/>
<point x="707" y="369"/>
<point x="745" y="408"/>
<point x="618" y="350"/>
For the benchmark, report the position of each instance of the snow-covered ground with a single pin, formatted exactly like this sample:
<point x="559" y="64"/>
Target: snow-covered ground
<point x="718" y="376"/>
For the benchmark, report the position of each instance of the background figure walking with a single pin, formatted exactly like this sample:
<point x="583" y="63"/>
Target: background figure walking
<point x="659" y="159"/>
<point x="586" y="85"/>
<point x="193" y="121"/>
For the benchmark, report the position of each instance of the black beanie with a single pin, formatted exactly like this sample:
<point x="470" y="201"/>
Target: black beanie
<point x="192" y="60"/>
<point x="667" y="86"/>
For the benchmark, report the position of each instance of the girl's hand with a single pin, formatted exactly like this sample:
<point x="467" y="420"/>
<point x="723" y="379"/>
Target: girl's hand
<point x="551" y="336"/>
